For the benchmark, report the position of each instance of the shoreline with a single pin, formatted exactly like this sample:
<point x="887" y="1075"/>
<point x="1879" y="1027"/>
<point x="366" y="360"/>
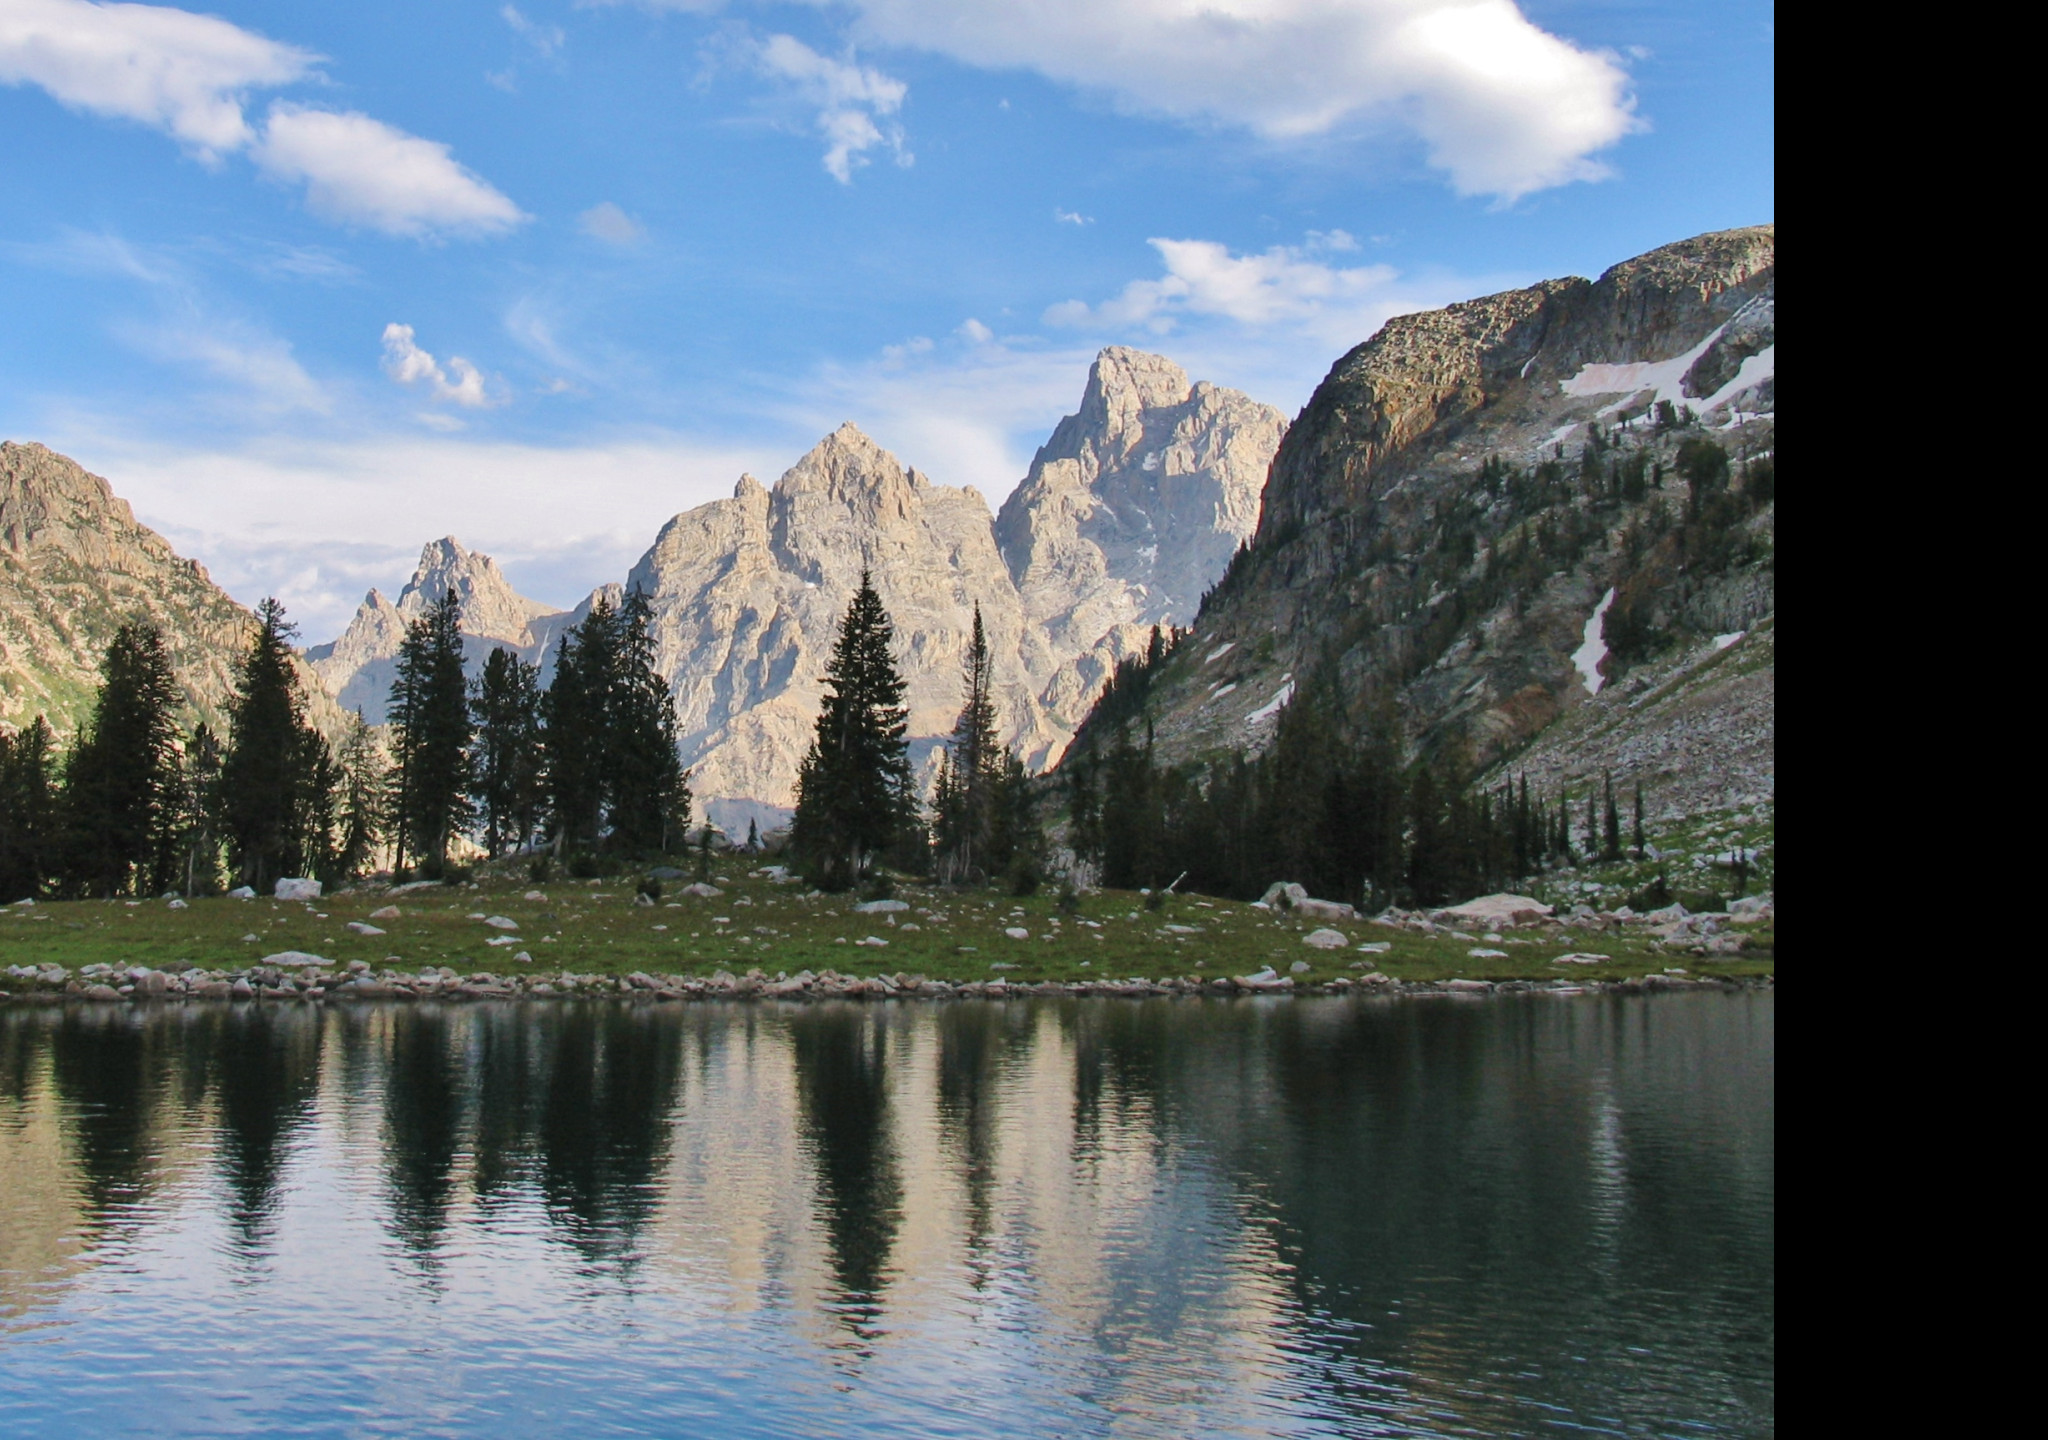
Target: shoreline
<point x="152" y="990"/>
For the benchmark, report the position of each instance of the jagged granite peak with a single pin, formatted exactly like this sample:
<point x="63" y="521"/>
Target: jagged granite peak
<point x="748" y="594"/>
<point x="358" y="668"/>
<point x="1482" y="605"/>
<point x="1130" y="511"/>
<point x="75" y="564"/>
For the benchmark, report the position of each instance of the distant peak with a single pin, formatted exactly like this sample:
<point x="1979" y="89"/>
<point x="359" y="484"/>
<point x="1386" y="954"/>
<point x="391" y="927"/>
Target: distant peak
<point x="748" y="485"/>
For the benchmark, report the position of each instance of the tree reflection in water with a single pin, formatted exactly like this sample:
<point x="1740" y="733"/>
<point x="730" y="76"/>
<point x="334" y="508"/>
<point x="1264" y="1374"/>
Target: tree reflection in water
<point x="841" y="1053"/>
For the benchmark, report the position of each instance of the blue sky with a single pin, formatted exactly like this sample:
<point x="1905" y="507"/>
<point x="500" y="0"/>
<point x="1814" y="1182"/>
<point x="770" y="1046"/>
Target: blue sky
<point x="314" y="283"/>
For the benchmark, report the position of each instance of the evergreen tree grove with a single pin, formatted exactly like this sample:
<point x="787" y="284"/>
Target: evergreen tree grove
<point x="505" y="769"/>
<point x="854" y="798"/>
<point x="121" y="778"/>
<point x="430" y="722"/>
<point x="28" y="811"/>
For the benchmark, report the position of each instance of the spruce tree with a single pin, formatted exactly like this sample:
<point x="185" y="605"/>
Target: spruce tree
<point x="121" y="778"/>
<point x="430" y="722"/>
<point x="1611" y="850"/>
<point x="644" y="780"/>
<point x="199" y="825"/>
<point x="753" y="836"/>
<point x="362" y="800"/>
<point x="576" y="739"/>
<point x="505" y="776"/>
<point x="964" y="807"/>
<point x="854" y="798"/>
<point x="1642" y="848"/>
<point x="263" y="778"/>
<point x="29" y="811"/>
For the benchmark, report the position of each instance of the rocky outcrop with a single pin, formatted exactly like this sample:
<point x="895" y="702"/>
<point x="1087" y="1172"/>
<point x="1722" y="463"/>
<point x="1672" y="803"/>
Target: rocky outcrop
<point x="1483" y="515"/>
<point x="358" y="668"/>
<point x="1129" y="513"/>
<point x="74" y="566"/>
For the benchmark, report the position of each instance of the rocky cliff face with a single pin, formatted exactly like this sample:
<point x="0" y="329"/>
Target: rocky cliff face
<point x="1484" y="514"/>
<point x="1129" y="513"/>
<point x="358" y="668"/>
<point x="74" y="566"/>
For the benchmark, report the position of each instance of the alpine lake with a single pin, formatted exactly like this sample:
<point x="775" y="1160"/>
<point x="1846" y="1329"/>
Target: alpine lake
<point x="1526" y="1212"/>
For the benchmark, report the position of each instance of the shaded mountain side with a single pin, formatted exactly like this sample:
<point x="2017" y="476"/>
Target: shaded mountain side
<point x="74" y="566"/>
<point x="1487" y="513"/>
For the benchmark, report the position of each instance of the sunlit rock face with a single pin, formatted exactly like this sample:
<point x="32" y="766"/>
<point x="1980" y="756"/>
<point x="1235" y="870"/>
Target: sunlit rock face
<point x="358" y="668"/>
<point x="1129" y="513"/>
<point x="75" y="565"/>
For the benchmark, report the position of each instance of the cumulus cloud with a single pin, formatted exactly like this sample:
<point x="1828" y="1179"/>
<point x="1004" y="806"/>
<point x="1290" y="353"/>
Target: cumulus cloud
<point x="179" y="72"/>
<point x="190" y="75"/>
<point x="852" y="102"/>
<point x="1501" y="105"/>
<point x="609" y="223"/>
<point x="360" y="171"/>
<point x="404" y="361"/>
<point x="1284" y="283"/>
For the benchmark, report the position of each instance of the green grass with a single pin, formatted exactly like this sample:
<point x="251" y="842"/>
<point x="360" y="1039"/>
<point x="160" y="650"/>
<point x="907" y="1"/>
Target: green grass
<point x="596" y="928"/>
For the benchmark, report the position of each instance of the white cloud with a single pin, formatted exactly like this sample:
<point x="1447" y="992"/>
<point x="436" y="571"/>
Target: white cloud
<point x="190" y="75"/>
<point x="974" y="332"/>
<point x="317" y="523"/>
<point x="1501" y="105"/>
<point x="1283" y="284"/>
<point x="406" y="363"/>
<point x="609" y="223"/>
<point x="852" y="102"/>
<point x="360" y="171"/>
<point x="260" y="366"/>
<point x="171" y="69"/>
<point x="1070" y="217"/>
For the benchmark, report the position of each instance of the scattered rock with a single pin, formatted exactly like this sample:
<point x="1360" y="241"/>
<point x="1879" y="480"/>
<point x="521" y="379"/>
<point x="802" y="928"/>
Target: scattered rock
<point x="501" y="922"/>
<point x="1299" y="967"/>
<point x="388" y="912"/>
<point x="177" y="903"/>
<point x="362" y="928"/>
<point x="1017" y="932"/>
<point x="242" y="892"/>
<point x="702" y="891"/>
<point x="1490" y="912"/>
<point x="1326" y="939"/>
<point x="1480" y="952"/>
<point x="1577" y="957"/>
<point x="881" y="907"/>
<point x="288" y="888"/>
<point x="294" y="958"/>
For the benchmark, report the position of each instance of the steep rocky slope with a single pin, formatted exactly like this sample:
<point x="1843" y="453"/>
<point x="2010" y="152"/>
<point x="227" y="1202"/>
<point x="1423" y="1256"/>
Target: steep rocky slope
<point x="1488" y="512"/>
<point x="74" y="566"/>
<point x="358" y="668"/>
<point x="1129" y="513"/>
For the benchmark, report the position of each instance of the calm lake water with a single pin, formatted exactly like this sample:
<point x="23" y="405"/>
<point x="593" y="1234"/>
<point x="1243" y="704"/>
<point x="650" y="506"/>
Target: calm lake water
<point x="1515" y="1215"/>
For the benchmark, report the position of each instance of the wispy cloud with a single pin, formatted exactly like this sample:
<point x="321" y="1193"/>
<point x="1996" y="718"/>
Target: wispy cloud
<point x="1284" y="283"/>
<point x="853" y="104"/>
<point x="607" y="222"/>
<point x="459" y="382"/>
<point x="360" y="171"/>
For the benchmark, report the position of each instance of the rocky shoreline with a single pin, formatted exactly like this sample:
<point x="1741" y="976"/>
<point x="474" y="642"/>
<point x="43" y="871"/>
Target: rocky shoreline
<point x="357" y="983"/>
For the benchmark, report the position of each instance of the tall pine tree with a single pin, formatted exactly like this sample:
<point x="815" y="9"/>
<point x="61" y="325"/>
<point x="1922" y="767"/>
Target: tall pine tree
<point x="649" y="793"/>
<point x="264" y="777"/>
<point x="121" y="778"/>
<point x="964" y="817"/>
<point x="576" y="741"/>
<point x="854" y="798"/>
<point x="361" y="800"/>
<point x="505" y="778"/>
<point x="430" y="723"/>
<point x="29" y="814"/>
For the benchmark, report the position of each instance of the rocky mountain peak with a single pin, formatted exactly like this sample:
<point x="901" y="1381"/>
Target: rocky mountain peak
<point x="75" y="564"/>
<point x="1124" y="385"/>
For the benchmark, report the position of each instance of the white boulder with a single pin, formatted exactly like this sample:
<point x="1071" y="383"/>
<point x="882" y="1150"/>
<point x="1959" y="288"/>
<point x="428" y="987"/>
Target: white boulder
<point x="294" y="958"/>
<point x="288" y="888"/>
<point x="881" y="907"/>
<point x="1326" y="939"/>
<point x="1492" y="912"/>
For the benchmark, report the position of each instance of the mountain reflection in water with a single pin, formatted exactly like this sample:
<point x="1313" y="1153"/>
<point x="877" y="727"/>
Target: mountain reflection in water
<point x="1012" y="1218"/>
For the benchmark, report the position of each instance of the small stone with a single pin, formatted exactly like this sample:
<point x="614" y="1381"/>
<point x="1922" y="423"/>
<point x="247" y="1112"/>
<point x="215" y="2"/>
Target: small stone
<point x="242" y="892"/>
<point x="1480" y="952"/>
<point x="880" y="907"/>
<point x="388" y="912"/>
<point x="1017" y="932"/>
<point x="289" y="888"/>
<point x="701" y="891"/>
<point x="535" y="896"/>
<point x="1326" y="939"/>
<point x="501" y="922"/>
<point x="178" y="904"/>
<point x="361" y="928"/>
<point x="1299" y="967"/>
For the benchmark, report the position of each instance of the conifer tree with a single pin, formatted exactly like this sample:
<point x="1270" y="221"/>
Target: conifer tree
<point x="854" y="797"/>
<point x="1642" y="848"/>
<point x="29" y="810"/>
<point x="576" y="739"/>
<point x="362" y="800"/>
<point x="431" y="729"/>
<point x="648" y="792"/>
<point x="505" y="774"/>
<point x="199" y="828"/>
<point x="753" y="836"/>
<point x="1610" y="850"/>
<point x="121" y="778"/>
<point x="263" y="778"/>
<point x="964" y="808"/>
